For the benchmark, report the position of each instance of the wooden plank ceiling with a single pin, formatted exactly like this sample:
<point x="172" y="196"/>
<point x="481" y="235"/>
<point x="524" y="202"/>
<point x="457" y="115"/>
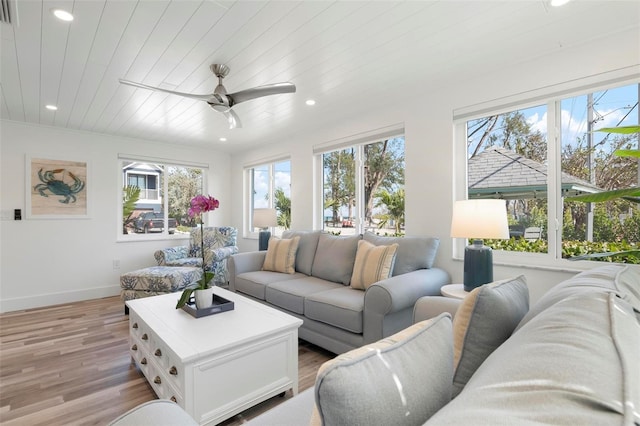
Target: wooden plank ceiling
<point x="349" y="56"/>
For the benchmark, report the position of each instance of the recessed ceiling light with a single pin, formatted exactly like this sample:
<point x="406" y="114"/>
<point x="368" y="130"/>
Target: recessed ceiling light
<point x="51" y="107"/>
<point x="222" y="139"/>
<point x="310" y="102"/>
<point x="63" y="15"/>
<point x="556" y="3"/>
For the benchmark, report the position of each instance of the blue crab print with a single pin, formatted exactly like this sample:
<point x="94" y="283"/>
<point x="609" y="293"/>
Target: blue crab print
<point x="58" y="186"/>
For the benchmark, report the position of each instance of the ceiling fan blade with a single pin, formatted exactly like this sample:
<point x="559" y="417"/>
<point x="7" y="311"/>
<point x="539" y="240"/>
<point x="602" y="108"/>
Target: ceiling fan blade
<point x="232" y="119"/>
<point x="260" y="91"/>
<point x="158" y="89"/>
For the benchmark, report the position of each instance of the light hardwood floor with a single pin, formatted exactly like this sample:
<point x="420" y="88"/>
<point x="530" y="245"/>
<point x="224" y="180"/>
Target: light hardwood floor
<point x="69" y="365"/>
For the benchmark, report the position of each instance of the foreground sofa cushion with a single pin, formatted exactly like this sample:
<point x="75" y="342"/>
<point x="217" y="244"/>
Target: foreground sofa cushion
<point x="402" y="379"/>
<point x="413" y="252"/>
<point x="281" y="255"/>
<point x="335" y="257"/>
<point x="575" y="363"/>
<point x="485" y="319"/>
<point x="372" y="264"/>
<point x="623" y="281"/>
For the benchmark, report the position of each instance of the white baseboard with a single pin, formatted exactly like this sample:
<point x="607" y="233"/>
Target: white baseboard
<point x="40" y="300"/>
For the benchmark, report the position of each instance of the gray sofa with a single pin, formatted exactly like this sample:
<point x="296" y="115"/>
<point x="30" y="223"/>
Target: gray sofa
<point x="572" y="359"/>
<point x="336" y="316"/>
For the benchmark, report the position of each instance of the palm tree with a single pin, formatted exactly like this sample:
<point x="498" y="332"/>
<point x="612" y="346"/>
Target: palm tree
<point x="394" y="204"/>
<point x="282" y="203"/>
<point x="130" y="196"/>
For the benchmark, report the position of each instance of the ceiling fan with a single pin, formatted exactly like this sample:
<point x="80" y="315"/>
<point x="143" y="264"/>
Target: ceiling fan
<point x="222" y="101"/>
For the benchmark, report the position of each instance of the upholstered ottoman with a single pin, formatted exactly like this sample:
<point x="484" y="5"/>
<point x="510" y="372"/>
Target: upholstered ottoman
<point x="156" y="280"/>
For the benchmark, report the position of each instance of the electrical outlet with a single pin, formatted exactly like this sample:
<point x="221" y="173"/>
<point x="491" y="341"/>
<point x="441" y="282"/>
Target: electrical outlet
<point x="116" y="263"/>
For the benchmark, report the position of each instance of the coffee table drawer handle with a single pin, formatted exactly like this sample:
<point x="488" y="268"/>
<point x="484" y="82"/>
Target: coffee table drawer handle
<point x="157" y="380"/>
<point x="173" y="398"/>
<point x="143" y="361"/>
<point x="158" y="352"/>
<point x="173" y="371"/>
<point x="135" y="325"/>
<point x="134" y="347"/>
<point x="145" y="337"/>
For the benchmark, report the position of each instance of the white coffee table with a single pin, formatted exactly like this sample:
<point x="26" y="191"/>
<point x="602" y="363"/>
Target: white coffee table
<point x="216" y="366"/>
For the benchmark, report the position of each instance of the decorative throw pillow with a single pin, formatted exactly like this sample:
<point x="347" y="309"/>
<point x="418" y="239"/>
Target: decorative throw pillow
<point x="373" y="263"/>
<point x="402" y="379"/>
<point x="281" y="255"/>
<point x="306" y="248"/>
<point x="485" y="319"/>
<point x="413" y="252"/>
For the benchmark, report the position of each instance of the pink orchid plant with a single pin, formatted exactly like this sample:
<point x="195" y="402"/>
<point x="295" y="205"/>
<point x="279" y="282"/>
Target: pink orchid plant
<point x="199" y="204"/>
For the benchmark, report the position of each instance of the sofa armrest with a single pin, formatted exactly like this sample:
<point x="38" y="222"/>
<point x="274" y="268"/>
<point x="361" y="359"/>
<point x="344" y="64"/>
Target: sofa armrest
<point x="244" y="262"/>
<point x="171" y="253"/>
<point x="428" y="307"/>
<point x="388" y="304"/>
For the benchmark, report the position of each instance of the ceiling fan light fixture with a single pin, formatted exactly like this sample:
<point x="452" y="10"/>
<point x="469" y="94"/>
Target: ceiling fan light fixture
<point x="62" y="15"/>
<point x="222" y="101"/>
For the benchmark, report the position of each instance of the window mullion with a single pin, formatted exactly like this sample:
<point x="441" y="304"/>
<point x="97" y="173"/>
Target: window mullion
<point x="554" y="185"/>
<point x="359" y="207"/>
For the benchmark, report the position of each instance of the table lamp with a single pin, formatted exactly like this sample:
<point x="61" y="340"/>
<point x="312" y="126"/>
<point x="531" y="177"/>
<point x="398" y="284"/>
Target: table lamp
<point x="264" y="219"/>
<point x="478" y="219"/>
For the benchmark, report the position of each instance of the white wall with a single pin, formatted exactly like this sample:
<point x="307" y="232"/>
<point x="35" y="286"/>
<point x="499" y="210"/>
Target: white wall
<point x="427" y="119"/>
<point x="46" y="262"/>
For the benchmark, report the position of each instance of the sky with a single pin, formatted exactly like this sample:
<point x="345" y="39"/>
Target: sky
<point x="610" y="108"/>
<point x="282" y="179"/>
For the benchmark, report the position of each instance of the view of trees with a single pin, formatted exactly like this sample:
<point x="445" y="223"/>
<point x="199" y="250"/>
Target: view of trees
<point x="183" y="184"/>
<point x="585" y="154"/>
<point x="383" y="181"/>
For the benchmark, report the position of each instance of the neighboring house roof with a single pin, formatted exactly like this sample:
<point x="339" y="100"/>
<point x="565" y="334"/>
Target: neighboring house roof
<point x="501" y="173"/>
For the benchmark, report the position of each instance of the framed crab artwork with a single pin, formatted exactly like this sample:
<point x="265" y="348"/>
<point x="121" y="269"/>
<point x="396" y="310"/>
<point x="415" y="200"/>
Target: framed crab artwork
<point x="56" y="189"/>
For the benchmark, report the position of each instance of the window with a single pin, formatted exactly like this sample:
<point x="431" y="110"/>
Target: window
<point x="145" y="209"/>
<point x="270" y="187"/>
<point x="520" y="157"/>
<point x="363" y="188"/>
<point x="507" y="159"/>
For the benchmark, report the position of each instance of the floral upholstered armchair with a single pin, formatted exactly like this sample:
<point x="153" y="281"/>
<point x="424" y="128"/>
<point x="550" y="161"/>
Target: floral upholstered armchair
<point x="219" y="245"/>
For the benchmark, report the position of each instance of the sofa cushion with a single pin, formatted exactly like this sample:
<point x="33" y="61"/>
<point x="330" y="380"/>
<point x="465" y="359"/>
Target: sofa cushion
<point x="402" y="379"/>
<point x="340" y="307"/>
<point x="290" y="294"/>
<point x="576" y="363"/>
<point x="621" y="280"/>
<point x="254" y="283"/>
<point x="335" y="257"/>
<point x="281" y="255"/>
<point x="372" y="264"/>
<point x="485" y="319"/>
<point x="413" y="252"/>
<point x="306" y="249"/>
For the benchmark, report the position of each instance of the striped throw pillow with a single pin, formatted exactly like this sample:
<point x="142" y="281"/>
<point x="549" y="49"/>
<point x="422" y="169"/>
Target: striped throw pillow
<point x="373" y="263"/>
<point x="281" y="255"/>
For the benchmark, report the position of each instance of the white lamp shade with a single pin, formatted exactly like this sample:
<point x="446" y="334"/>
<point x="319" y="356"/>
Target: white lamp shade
<point x="264" y="218"/>
<point x="480" y="219"/>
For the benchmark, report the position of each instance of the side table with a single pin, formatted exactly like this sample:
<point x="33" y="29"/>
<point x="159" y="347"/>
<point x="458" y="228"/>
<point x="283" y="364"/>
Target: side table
<point x="455" y="291"/>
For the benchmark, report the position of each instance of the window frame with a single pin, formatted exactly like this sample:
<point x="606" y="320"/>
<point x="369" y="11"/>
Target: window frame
<point x="122" y="181"/>
<point x="552" y="97"/>
<point x="248" y="173"/>
<point x="356" y="143"/>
